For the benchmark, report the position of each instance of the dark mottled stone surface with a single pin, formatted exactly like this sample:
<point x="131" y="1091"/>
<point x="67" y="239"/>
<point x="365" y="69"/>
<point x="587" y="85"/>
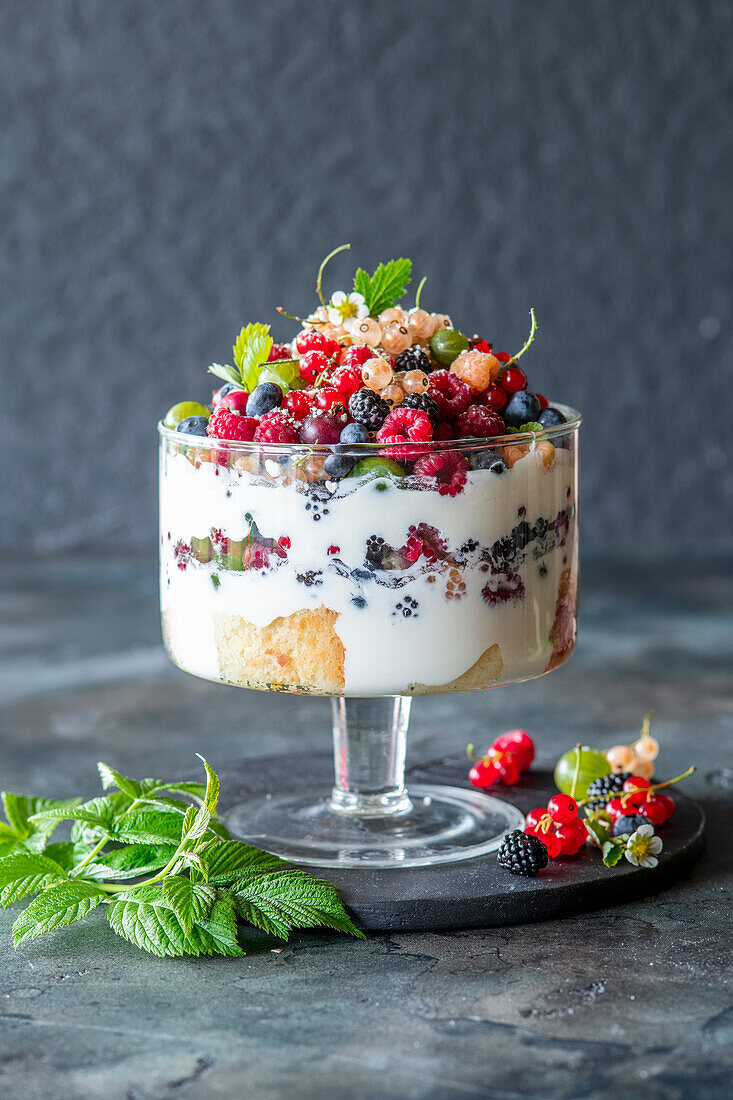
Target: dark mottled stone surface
<point x="626" y="1001"/>
<point x="169" y="171"/>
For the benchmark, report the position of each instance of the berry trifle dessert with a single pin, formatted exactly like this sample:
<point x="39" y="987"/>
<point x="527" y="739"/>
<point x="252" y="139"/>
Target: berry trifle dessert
<point x="381" y="507"/>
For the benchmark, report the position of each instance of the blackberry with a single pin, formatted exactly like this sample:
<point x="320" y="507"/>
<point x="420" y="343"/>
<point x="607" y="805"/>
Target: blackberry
<point x="628" y="823"/>
<point x="423" y="403"/>
<point x="376" y="550"/>
<point x="369" y="409"/>
<point x="413" y="359"/>
<point x="607" y="784"/>
<point x="522" y="854"/>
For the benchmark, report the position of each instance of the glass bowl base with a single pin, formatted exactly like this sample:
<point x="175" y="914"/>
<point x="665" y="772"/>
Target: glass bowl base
<point x="445" y="824"/>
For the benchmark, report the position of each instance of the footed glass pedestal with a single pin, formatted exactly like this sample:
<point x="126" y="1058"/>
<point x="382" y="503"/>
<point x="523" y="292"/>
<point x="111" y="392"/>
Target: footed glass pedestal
<point x="370" y="818"/>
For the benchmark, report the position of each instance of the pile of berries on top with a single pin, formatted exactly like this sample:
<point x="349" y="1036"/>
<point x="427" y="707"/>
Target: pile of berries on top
<point x="620" y="810"/>
<point x="365" y="369"/>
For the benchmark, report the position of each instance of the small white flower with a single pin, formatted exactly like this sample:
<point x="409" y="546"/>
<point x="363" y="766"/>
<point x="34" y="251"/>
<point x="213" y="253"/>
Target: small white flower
<point x="643" y="847"/>
<point x="346" y="307"/>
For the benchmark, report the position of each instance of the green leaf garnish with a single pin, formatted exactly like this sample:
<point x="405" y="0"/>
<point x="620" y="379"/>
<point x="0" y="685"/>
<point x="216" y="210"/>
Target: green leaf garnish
<point x="531" y="426"/>
<point x="612" y="851"/>
<point x="385" y="287"/>
<point x="199" y="879"/>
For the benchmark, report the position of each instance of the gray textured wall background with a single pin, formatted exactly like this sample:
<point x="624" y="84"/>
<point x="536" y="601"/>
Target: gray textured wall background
<point x="169" y="170"/>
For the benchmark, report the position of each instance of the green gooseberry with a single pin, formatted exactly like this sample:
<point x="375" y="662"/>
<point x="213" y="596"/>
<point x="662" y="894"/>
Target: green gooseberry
<point x="179" y="412"/>
<point x="377" y="467"/>
<point x="593" y="765"/>
<point x="447" y="345"/>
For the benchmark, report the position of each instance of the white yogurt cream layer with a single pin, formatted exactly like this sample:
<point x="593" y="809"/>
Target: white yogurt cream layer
<point x="398" y="626"/>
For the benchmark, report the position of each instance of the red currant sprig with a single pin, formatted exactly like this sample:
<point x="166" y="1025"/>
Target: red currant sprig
<point x="558" y="826"/>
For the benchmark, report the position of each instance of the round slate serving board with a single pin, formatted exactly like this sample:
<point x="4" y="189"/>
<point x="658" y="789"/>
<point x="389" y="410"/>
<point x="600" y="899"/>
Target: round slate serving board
<point x="477" y="892"/>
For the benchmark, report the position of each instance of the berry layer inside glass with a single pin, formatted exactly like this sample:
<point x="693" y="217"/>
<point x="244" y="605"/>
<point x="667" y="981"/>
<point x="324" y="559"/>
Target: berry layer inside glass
<point x="449" y="568"/>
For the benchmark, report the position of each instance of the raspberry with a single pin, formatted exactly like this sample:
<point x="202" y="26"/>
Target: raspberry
<point x="183" y="553"/>
<point x="423" y="403"/>
<point x="277" y="427"/>
<point x="477" y="368"/>
<point x="403" y="425"/>
<point x="445" y="472"/>
<point x="413" y="359"/>
<point x="310" y="340"/>
<point x="277" y="352"/>
<point x="478" y="421"/>
<point x="444" y="430"/>
<point x="479" y="344"/>
<point x="450" y="394"/>
<point x="369" y="409"/>
<point x="312" y="364"/>
<point x="224" y="424"/>
<point x="357" y="355"/>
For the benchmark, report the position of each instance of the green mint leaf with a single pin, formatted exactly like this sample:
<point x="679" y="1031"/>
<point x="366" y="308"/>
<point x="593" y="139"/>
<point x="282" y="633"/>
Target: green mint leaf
<point x="254" y="358"/>
<point x="243" y="341"/>
<point x="531" y="426"/>
<point x="229" y="859"/>
<point x="143" y="916"/>
<point x="25" y="873"/>
<point x="153" y="826"/>
<point x="612" y="852"/>
<point x="112" y="778"/>
<point x="56" y="907"/>
<point x="363" y="284"/>
<point x="150" y="787"/>
<point x="212" y="785"/>
<point x="190" y="901"/>
<point x="132" y="861"/>
<point x="597" y="830"/>
<point x="387" y="285"/>
<point x="283" y="900"/>
<point x="217" y="933"/>
<point x="98" y="812"/>
<point x="226" y="373"/>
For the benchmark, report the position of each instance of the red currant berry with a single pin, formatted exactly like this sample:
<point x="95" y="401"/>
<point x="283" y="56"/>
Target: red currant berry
<point x="544" y="403"/>
<point x="513" y="380"/>
<point x="312" y="364"/>
<point x="278" y="352"/>
<point x="495" y="397"/>
<point x="484" y="773"/>
<point x="326" y="398"/>
<point x="563" y="808"/>
<point x="668" y="804"/>
<point x="655" y="810"/>
<point x="571" y="838"/>
<point x="508" y="769"/>
<point x="552" y="842"/>
<point x="347" y="381"/>
<point x="297" y="403"/>
<point x="519" y="742"/>
<point x="333" y="350"/>
<point x="310" y="340"/>
<point x="636" y="787"/>
<point x="534" y="817"/>
<point x="357" y="355"/>
<point x="616" y="807"/>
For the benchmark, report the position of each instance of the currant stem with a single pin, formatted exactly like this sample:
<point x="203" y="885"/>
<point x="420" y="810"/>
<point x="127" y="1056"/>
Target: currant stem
<point x="530" y="338"/>
<point x="646" y="790"/>
<point x="578" y="749"/>
<point x="319" y="280"/>
<point x="419" y="291"/>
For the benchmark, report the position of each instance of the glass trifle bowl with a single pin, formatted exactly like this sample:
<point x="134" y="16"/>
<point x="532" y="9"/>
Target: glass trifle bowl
<point x="432" y="567"/>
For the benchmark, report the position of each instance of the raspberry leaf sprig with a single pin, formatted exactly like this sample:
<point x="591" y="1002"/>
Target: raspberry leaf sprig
<point x="385" y="287"/>
<point x="250" y="351"/>
<point x="155" y="855"/>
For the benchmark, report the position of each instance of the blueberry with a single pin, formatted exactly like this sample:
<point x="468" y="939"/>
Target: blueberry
<point x="193" y="425"/>
<point x="628" y="823"/>
<point x="228" y="387"/>
<point x="355" y="433"/>
<point x="338" y="465"/>
<point x="264" y="398"/>
<point x="551" y="417"/>
<point x="488" y="460"/>
<point x="522" y="408"/>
